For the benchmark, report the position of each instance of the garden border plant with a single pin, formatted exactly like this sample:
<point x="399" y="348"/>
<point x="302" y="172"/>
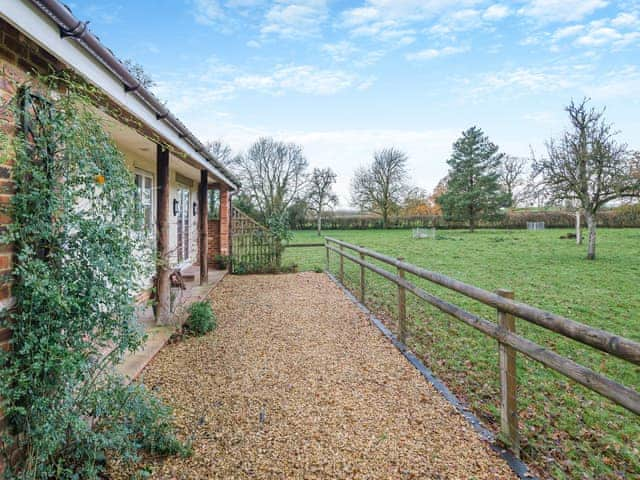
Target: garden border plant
<point x="81" y="257"/>
<point x="201" y="319"/>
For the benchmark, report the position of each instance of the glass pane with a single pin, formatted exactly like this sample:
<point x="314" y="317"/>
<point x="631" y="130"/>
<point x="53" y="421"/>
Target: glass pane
<point x="148" y="191"/>
<point x="147" y="219"/>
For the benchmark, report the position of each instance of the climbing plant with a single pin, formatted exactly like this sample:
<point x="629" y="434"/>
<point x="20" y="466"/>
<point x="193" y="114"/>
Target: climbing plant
<point x="81" y="256"/>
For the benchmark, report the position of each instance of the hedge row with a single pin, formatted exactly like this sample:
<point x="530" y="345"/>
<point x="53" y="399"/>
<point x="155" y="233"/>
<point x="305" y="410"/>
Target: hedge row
<point x="623" y="217"/>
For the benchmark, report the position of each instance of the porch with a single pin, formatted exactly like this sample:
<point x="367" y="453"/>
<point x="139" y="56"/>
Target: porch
<point x="186" y="212"/>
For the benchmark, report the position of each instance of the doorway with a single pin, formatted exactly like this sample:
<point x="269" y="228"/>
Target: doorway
<point x="184" y="197"/>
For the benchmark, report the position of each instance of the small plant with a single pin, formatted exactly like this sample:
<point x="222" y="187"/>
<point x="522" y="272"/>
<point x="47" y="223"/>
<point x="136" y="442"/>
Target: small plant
<point x="201" y="318"/>
<point x="221" y="261"/>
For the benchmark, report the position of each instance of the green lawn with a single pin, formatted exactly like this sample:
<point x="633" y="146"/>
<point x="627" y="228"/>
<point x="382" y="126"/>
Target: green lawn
<point x="567" y="430"/>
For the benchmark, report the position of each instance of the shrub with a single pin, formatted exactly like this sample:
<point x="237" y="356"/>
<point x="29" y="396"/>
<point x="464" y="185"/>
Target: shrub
<point x="221" y="261"/>
<point x="201" y="318"/>
<point x="78" y="235"/>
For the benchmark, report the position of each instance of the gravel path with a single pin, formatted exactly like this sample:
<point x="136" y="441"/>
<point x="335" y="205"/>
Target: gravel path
<point x="296" y="383"/>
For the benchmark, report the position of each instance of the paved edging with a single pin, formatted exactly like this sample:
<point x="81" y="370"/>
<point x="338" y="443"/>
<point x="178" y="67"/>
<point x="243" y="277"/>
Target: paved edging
<point x="517" y="465"/>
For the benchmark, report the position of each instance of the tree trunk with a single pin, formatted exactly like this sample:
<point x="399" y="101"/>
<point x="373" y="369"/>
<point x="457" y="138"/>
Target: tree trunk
<point x="384" y="219"/>
<point x="319" y="224"/>
<point x="472" y="219"/>
<point x="591" y="224"/>
<point x="578" y="229"/>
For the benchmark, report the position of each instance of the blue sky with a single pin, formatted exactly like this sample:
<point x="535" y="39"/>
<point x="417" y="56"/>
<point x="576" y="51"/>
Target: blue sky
<point x="346" y="77"/>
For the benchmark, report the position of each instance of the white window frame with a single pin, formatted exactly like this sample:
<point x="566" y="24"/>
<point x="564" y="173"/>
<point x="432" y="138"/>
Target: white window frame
<point x="148" y="175"/>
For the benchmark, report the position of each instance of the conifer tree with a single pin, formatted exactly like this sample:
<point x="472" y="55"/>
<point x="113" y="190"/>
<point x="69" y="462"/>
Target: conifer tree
<point x="473" y="187"/>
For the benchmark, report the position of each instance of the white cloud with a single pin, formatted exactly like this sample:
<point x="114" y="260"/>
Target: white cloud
<point x="253" y="44"/>
<point x="496" y="12"/>
<point x="617" y="33"/>
<point x="306" y="79"/>
<point x="207" y="12"/>
<point x="431" y="53"/>
<point x="561" y="10"/>
<point x="295" y="18"/>
<point x="599" y="36"/>
<point x="619" y="83"/>
<point x="570" y="31"/>
<point x="625" y="19"/>
<point x="390" y="20"/>
<point x="341" y="51"/>
<point x="517" y="82"/>
<point x="576" y="80"/>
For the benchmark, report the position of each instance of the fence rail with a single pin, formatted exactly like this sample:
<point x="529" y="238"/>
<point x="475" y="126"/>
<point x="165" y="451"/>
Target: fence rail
<point x="503" y="331"/>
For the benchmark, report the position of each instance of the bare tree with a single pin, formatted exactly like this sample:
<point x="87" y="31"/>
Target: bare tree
<point x="320" y="195"/>
<point x="588" y="165"/>
<point x="222" y="151"/>
<point x="380" y="187"/>
<point x="272" y="173"/>
<point x="511" y="176"/>
<point x="139" y="73"/>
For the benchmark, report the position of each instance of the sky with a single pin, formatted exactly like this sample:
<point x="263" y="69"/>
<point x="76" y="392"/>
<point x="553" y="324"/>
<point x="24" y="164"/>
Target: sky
<point x="344" y="78"/>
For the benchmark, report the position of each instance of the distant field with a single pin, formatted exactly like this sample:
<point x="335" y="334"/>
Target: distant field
<point x="567" y="430"/>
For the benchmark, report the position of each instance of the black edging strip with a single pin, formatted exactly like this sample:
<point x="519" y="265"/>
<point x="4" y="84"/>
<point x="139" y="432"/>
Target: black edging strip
<point x="517" y="465"/>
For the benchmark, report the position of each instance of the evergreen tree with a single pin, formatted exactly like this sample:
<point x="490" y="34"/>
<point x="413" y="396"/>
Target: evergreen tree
<point x="473" y="188"/>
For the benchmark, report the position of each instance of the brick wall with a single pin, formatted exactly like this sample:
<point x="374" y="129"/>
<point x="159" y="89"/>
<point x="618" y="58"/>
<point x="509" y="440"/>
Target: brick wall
<point x="213" y="240"/>
<point x="18" y="57"/>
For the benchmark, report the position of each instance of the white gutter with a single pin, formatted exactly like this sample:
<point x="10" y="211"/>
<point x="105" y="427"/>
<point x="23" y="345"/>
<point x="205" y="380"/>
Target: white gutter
<point x="29" y="18"/>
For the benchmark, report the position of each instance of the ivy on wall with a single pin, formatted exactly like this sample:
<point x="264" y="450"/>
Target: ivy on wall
<point x="78" y="235"/>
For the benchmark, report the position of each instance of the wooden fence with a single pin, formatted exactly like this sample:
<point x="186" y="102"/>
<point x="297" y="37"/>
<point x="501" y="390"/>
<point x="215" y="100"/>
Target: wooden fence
<point x="503" y="331"/>
<point x="254" y="248"/>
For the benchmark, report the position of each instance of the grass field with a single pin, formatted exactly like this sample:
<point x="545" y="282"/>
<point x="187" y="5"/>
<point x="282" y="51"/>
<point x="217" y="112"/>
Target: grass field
<point x="568" y="432"/>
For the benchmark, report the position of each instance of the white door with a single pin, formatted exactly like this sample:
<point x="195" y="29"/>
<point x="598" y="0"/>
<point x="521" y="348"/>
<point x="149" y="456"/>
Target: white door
<point x="183" y="223"/>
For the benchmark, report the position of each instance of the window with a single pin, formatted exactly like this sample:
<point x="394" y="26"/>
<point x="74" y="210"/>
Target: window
<point x="213" y="199"/>
<point x="144" y="196"/>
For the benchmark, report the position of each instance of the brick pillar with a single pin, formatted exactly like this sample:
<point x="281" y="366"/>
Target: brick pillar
<point x="214" y="240"/>
<point x="225" y="220"/>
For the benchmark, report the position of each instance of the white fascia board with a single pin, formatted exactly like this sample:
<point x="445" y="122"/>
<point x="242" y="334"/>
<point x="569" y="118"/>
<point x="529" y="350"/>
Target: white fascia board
<point x="43" y="31"/>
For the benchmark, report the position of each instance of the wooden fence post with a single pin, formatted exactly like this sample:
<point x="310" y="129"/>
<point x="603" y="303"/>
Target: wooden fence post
<point x="326" y="247"/>
<point x="402" y="312"/>
<point x="361" y="278"/>
<point x="508" y="382"/>
<point x="341" y="265"/>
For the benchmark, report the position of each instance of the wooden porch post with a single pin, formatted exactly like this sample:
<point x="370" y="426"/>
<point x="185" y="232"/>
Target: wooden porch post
<point x="203" y="227"/>
<point x="162" y="222"/>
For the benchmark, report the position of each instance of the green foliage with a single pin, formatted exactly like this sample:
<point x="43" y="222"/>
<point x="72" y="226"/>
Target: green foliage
<point x="473" y="190"/>
<point x="242" y="201"/>
<point x="222" y="261"/>
<point x="201" y="318"/>
<point x="279" y="226"/>
<point x="627" y="216"/>
<point x="245" y="267"/>
<point x="569" y="431"/>
<point x="81" y="257"/>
